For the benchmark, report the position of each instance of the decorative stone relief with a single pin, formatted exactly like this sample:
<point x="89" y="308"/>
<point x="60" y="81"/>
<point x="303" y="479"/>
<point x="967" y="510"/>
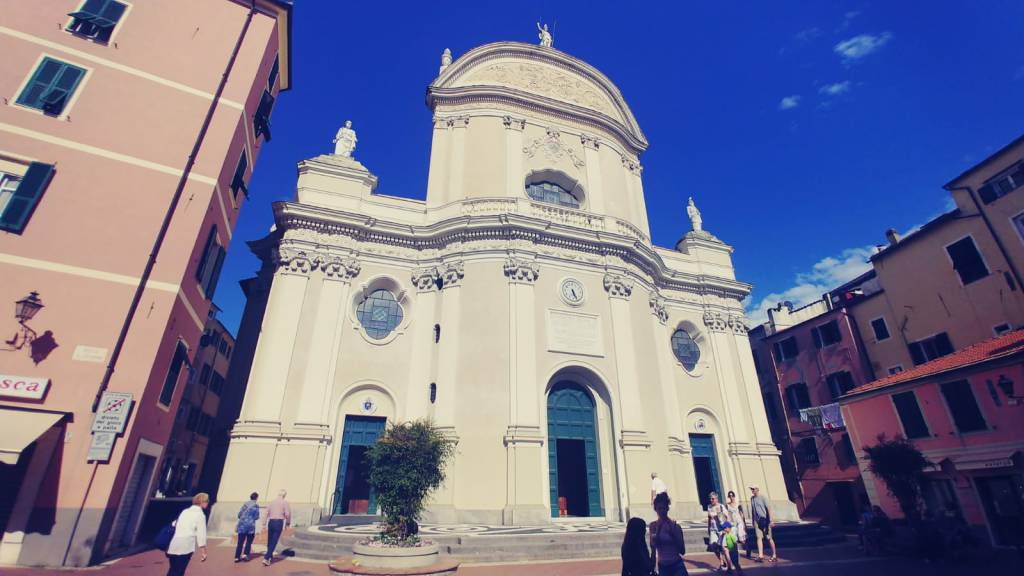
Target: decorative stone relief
<point x="715" y="321"/>
<point x="552" y="147"/>
<point x="293" y="261"/>
<point x="450" y="122"/>
<point x="338" y="267"/>
<point x="520" y="270"/>
<point x="738" y="323"/>
<point x="513" y="123"/>
<point x="425" y="279"/>
<point x="543" y="80"/>
<point x="618" y="286"/>
<point x="657" y="304"/>
<point x="452" y="274"/>
<point x="592" y="142"/>
<point x="632" y="165"/>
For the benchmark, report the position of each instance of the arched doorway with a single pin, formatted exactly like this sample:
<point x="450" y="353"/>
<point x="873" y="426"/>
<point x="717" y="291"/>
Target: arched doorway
<point x="573" y="464"/>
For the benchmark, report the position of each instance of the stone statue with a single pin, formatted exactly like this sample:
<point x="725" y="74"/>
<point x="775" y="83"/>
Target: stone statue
<point x="446" y="60"/>
<point x="695" y="220"/>
<point x="345" y="140"/>
<point x="545" y="37"/>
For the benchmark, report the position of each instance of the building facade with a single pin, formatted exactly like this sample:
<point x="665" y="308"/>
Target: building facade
<point x="806" y="359"/>
<point x="122" y="172"/>
<point x="963" y="412"/>
<point x="521" y="307"/>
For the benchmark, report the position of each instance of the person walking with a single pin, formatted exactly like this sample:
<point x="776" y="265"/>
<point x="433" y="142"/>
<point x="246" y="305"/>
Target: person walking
<point x="246" y="528"/>
<point x="279" y="517"/>
<point x="717" y="515"/>
<point x="761" y="512"/>
<point x="738" y="518"/>
<point x="189" y="532"/>
<point x="731" y="548"/>
<point x="667" y="545"/>
<point x="636" y="558"/>
<point x="657" y="486"/>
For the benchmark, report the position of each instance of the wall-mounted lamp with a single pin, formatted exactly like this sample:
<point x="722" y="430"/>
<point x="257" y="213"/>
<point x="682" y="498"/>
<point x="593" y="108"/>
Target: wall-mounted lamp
<point x="1006" y="385"/>
<point x="24" y="310"/>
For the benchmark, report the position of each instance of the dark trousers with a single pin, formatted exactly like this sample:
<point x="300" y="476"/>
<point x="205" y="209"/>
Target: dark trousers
<point x="274" y="529"/>
<point x="178" y="564"/>
<point x="247" y="539"/>
<point x="734" y="555"/>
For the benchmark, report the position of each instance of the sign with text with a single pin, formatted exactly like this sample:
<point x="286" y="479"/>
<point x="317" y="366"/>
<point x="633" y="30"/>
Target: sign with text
<point x="101" y="446"/>
<point x="23" y="387"/>
<point x="112" y="414"/>
<point x="574" y="332"/>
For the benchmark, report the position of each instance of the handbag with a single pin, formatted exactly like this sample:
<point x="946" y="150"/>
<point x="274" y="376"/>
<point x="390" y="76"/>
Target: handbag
<point x="163" y="538"/>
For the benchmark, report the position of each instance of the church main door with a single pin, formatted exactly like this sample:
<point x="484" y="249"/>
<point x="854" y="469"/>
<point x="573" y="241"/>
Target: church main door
<point x="352" y="492"/>
<point x="705" y="467"/>
<point x="573" y="466"/>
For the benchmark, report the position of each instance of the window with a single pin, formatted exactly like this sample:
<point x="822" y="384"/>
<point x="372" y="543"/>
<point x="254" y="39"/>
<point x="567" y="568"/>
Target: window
<point x="770" y="410"/>
<point x="433" y="392"/>
<point x="379" y="314"/>
<point x="261" y="120"/>
<point x="797" y="398"/>
<point x="910" y="415"/>
<point x="847" y="455"/>
<point x="893" y="370"/>
<point x="826" y="335"/>
<point x="967" y="260"/>
<point x="272" y="79"/>
<point x="223" y="347"/>
<point x="238" y="180"/>
<point x="193" y="419"/>
<point x="880" y="328"/>
<point x="173" y="371"/>
<point x="204" y="375"/>
<point x="930" y="348"/>
<point x="839" y="383"/>
<point x="437" y="333"/>
<point x="20" y="192"/>
<point x="96" y="18"/>
<point x="785" y="349"/>
<point x="217" y="383"/>
<point x="964" y="406"/>
<point x="685" y="349"/>
<point x="807" y="452"/>
<point x="1001" y="329"/>
<point x="227" y="353"/>
<point x="1003" y="184"/>
<point x="208" y="271"/>
<point x="51" y="86"/>
<point x="552" y="193"/>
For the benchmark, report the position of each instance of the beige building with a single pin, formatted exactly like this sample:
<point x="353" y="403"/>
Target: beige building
<point x="521" y="307"/>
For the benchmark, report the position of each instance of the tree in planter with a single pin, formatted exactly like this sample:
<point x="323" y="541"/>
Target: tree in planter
<point x="406" y="463"/>
<point x="901" y="466"/>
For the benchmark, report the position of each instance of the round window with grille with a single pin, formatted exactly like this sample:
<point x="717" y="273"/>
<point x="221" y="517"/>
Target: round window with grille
<point x="685" y="349"/>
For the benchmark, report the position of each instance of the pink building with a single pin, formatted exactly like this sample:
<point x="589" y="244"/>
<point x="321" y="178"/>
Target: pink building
<point x="806" y="359"/>
<point x="128" y="132"/>
<point x="964" y="412"/>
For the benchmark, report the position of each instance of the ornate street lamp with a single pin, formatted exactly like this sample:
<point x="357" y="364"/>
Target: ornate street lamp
<point x="24" y="310"/>
<point x="1006" y="385"/>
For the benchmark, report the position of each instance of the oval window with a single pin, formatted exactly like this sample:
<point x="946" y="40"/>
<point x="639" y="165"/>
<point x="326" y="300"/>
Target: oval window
<point x="379" y="314"/>
<point x="552" y="193"/>
<point x="685" y="349"/>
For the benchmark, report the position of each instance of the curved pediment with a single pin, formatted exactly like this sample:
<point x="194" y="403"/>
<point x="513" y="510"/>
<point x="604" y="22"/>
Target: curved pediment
<point x="541" y="77"/>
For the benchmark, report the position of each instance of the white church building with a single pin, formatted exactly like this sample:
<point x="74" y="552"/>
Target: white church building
<point x="521" y="307"/>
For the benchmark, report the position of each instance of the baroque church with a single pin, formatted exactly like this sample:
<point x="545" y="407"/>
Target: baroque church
<point x="521" y="307"/>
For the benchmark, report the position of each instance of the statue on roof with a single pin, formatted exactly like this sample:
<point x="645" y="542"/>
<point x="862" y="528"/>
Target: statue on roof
<point x="545" y="37"/>
<point x="345" y="140"/>
<point x="695" y="220"/>
<point x="446" y="59"/>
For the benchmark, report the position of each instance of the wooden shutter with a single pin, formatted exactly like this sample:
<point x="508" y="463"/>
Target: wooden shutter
<point x="56" y="98"/>
<point x="816" y="336"/>
<point x="205" y="259"/>
<point x="26" y="196"/>
<point x="211" y="285"/>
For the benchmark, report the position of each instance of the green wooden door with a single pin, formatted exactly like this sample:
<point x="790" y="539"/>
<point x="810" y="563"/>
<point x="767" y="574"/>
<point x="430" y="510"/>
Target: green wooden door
<point x="359" y="431"/>
<point x="571" y="416"/>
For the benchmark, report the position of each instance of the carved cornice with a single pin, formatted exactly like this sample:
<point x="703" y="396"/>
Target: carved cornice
<point x="618" y="286"/>
<point x="738" y="323"/>
<point x="449" y="122"/>
<point x="657" y="304"/>
<point x="520" y="270"/>
<point x="425" y="279"/>
<point x="716" y="321"/>
<point x="338" y="267"/>
<point x="452" y="274"/>
<point x="632" y="165"/>
<point x="290" y="260"/>
<point x="592" y="142"/>
<point x="512" y="123"/>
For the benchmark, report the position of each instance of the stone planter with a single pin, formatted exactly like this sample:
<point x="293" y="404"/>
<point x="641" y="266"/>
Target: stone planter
<point x="395" y="556"/>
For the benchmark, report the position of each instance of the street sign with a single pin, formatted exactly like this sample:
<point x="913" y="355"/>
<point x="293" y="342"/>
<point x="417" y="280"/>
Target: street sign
<point x="101" y="446"/>
<point x="23" y="387"/>
<point x="113" y="411"/>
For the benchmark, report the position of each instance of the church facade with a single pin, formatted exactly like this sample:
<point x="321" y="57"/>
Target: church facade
<point x="521" y="307"/>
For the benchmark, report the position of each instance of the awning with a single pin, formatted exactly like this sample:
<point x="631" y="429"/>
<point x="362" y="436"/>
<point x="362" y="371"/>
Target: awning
<point x="19" y="428"/>
<point x="988" y="460"/>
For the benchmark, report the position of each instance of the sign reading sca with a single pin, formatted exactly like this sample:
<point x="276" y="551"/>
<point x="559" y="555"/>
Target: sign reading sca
<point x="23" y="387"/>
<point x="112" y="414"/>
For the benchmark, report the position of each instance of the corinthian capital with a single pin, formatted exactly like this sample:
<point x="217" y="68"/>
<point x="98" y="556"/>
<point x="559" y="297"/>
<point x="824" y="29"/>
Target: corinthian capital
<point x="340" y="268"/>
<point x="618" y="286"/>
<point x="519" y="270"/>
<point x="291" y="260"/>
<point x="715" y="321"/>
<point x="513" y="123"/>
<point x="451" y="274"/>
<point x="425" y="279"/>
<point x="738" y="323"/>
<point x="657" y="304"/>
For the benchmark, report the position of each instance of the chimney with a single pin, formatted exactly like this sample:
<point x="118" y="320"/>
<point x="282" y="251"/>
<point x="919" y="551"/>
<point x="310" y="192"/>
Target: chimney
<point x="893" y="236"/>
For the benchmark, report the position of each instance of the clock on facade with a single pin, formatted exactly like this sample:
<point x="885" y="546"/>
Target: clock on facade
<point x="572" y="291"/>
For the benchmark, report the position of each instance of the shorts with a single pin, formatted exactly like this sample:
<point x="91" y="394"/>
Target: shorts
<point x="762" y="534"/>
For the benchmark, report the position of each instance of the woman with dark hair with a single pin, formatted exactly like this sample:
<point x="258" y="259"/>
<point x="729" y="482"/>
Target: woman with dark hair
<point x="636" y="559"/>
<point x="246" y="528"/>
<point x="667" y="544"/>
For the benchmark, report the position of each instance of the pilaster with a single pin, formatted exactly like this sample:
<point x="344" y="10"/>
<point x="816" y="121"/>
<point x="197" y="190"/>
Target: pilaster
<point x="451" y="275"/>
<point x="592" y="158"/>
<point x="421" y="363"/>
<point x="514" y="156"/>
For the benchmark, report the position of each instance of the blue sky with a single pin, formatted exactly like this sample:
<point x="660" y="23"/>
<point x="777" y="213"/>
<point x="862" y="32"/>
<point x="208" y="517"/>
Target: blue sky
<point x="802" y="129"/>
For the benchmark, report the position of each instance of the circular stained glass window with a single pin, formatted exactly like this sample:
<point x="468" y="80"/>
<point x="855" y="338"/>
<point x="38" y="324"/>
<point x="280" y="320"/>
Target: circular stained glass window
<point x="379" y="314"/>
<point x="685" y="349"/>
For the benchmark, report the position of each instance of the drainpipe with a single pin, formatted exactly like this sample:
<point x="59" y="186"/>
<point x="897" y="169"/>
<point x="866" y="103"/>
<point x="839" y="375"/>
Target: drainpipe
<point x="169" y="214"/>
<point x="992" y="231"/>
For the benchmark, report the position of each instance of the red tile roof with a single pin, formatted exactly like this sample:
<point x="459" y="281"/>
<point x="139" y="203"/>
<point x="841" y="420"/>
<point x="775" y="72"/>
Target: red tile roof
<point x="991" y="349"/>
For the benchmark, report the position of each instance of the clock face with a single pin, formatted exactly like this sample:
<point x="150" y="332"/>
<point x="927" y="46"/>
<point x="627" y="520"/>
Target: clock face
<point x="572" y="291"/>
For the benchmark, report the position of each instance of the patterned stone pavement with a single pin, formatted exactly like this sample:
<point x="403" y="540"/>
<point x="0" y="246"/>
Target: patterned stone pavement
<point x="484" y="530"/>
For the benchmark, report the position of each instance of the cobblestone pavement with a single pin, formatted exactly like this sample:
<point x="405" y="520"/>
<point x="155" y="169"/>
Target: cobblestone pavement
<point x="830" y="561"/>
<point x="485" y="530"/>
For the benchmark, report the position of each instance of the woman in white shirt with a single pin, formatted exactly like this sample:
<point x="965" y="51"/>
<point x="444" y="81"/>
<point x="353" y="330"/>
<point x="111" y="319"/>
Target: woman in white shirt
<point x="189" y="532"/>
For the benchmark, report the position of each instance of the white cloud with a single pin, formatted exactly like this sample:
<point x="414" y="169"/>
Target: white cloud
<point x="789" y="102"/>
<point x="824" y="275"/>
<point x="835" y="89"/>
<point x="808" y="34"/>
<point x="860" y="46"/>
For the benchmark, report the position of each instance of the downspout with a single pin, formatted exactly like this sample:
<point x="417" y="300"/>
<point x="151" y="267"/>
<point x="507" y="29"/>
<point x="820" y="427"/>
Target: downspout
<point x="992" y="231"/>
<point x="169" y="214"/>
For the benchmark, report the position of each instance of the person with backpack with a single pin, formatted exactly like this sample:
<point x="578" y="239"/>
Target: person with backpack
<point x="246" y="528"/>
<point x="189" y="533"/>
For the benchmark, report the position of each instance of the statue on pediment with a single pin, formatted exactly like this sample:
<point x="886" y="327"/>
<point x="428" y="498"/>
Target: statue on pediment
<point x="546" y="39"/>
<point x="345" y="140"/>
<point x="695" y="220"/>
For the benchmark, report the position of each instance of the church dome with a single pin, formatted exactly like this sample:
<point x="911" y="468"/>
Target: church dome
<point x="537" y="78"/>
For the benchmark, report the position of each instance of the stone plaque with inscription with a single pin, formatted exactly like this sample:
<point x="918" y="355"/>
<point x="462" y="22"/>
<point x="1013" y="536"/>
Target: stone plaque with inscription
<point x="574" y="332"/>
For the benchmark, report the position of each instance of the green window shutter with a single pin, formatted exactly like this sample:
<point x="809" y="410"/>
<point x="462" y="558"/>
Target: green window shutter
<point x="51" y="87"/>
<point x="173" y="371"/>
<point x="211" y="286"/>
<point x="40" y="83"/>
<point x="109" y="15"/>
<point x="273" y="75"/>
<point x="26" y="196"/>
<point x="210" y="240"/>
<point x="261" y="120"/>
<point x="238" y="181"/>
<point x="90" y="10"/>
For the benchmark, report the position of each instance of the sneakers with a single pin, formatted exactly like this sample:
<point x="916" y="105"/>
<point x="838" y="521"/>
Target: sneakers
<point x="266" y="562"/>
<point x="237" y="560"/>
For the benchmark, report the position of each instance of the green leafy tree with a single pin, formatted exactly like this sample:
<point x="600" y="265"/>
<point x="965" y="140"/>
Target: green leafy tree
<point x="406" y="463"/>
<point x="901" y="466"/>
